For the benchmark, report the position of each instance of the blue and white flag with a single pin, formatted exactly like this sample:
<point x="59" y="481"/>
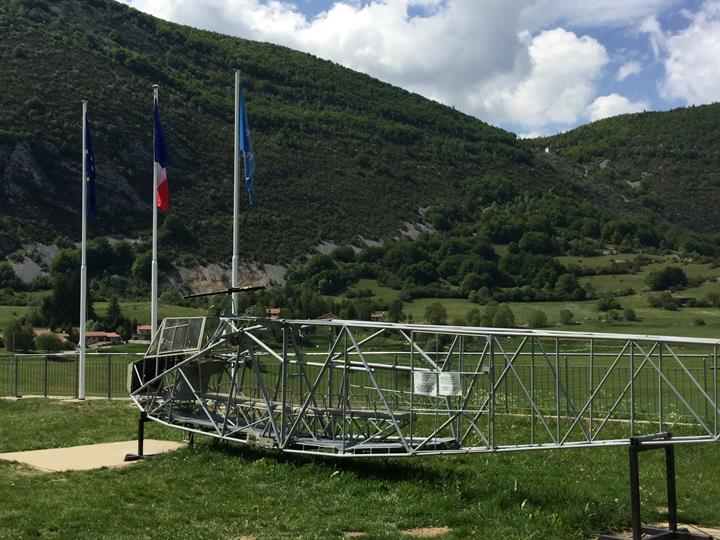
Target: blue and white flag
<point x="245" y="146"/>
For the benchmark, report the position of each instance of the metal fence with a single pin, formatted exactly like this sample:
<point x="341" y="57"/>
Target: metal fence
<point x="57" y="375"/>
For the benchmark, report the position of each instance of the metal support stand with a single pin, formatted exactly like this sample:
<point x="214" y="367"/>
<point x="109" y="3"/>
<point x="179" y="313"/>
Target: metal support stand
<point x="637" y="445"/>
<point x="141" y="439"/>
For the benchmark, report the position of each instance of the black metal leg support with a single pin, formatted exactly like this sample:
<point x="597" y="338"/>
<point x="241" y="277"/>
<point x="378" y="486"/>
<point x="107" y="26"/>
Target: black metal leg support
<point x="141" y="439"/>
<point x="635" y="491"/>
<point x="637" y="445"/>
<point x="671" y="492"/>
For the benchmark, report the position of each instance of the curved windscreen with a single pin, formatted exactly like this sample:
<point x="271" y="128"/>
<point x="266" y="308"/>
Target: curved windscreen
<point x="177" y="336"/>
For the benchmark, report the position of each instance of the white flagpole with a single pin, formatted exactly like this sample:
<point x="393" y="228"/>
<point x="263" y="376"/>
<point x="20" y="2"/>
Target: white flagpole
<point x="154" y="267"/>
<point x="236" y="194"/>
<point x="83" y="261"/>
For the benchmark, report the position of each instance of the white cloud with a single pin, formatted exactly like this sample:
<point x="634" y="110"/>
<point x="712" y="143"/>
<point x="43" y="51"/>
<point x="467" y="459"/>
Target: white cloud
<point x="558" y="87"/>
<point x="529" y="135"/>
<point x="651" y="26"/>
<point x="692" y="70"/>
<point x="628" y="69"/>
<point x="509" y="62"/>
<point x="612" y="105"/>
<point x="592" y="14"/>
<point x="453" y="44"/>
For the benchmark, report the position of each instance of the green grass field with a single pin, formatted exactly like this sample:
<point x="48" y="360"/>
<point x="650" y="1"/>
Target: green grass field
<point x="587" y="317"/>
<point x="9" y="313"/>
<point x="132" y="310"/>
<point x="141" y="311"/>
<point x="224" y="491"/>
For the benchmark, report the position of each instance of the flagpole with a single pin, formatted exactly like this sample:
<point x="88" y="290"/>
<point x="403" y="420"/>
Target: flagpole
<point x="83" y="260"/>
<point x="154" y="266"/>
<point x="236" y="194"/>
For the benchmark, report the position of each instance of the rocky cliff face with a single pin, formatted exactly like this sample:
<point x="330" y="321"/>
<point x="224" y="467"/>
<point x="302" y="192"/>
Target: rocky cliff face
<point x="41" y="186"/>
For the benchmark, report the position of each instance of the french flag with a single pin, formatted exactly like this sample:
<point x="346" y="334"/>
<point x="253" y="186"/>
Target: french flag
<point x="161" y="159"/>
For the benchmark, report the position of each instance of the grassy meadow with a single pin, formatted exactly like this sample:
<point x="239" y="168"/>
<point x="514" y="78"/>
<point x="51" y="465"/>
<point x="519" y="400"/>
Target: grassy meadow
<point x="225" y="491"/>
<point x="650" y="320"/>
<point x="218" y="490"/>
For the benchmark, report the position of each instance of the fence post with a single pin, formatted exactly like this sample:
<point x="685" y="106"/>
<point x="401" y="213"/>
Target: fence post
<point x="77" y="375"/>
<point x="16" y="378"/>
<point x="109" y="376"/>
<point x="705" y="388"/>
<point x="567" y="387"/>
<point x="45" y="377"/>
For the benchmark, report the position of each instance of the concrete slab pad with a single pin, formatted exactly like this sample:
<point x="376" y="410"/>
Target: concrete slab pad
<point x="91" y="456"/>
<point x="710" y="532"/>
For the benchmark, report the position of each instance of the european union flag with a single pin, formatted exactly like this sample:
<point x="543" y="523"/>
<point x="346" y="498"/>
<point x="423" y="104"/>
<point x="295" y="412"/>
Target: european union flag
<point x="89" y="169"/>
<point x="245" y="146"/>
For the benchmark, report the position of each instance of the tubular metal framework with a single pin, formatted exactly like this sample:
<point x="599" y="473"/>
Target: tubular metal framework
<point x="359" y="389"/>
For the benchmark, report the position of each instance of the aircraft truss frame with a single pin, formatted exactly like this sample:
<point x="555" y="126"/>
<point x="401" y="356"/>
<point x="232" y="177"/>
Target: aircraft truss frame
<point x="367" y="389"/>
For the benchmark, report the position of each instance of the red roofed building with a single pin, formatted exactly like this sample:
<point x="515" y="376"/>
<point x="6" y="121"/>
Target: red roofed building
<point x="143" y="331"/>
<point x="102" y="338"/>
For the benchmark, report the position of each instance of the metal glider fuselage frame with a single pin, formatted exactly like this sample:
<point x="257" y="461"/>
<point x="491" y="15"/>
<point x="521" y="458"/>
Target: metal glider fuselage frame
<point x="362" y="389"/>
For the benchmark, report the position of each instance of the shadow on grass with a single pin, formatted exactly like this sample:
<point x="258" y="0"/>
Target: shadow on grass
<point x="383" y="468"/>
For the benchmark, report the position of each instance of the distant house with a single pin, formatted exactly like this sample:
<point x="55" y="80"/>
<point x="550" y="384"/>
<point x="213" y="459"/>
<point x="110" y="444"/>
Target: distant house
<point x="273" y="313"/>
<point x="377" y="316"/>
<point x="143" y="332"/>
<point x="102" y="338"/>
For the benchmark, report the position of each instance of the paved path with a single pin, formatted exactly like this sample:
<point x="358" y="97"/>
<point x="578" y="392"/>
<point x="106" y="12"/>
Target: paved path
<point x="91" y="456"/>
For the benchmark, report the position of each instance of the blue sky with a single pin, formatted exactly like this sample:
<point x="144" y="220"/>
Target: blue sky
<point x="533" y="67"/>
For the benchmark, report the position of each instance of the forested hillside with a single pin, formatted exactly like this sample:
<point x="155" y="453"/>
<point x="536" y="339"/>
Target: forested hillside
<point x="339" y="156"/>
<point x="665" y="164"/>
<point x="338" y="153"/>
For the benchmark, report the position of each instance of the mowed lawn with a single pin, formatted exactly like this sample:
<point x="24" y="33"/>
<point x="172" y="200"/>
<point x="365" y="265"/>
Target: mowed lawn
<point x="223" y="491"/>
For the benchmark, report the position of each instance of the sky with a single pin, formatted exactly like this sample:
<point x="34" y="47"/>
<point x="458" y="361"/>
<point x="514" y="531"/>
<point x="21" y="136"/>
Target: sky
<point x="533" y="67"/>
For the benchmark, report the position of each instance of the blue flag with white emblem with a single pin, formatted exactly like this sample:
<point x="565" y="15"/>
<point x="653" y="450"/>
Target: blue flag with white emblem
<point x="245" y="146"/>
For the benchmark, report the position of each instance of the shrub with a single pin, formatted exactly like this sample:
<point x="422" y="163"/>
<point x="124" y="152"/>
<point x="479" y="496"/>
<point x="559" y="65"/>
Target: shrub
<point x="436" y="313"/>
<point x="566" y="317"/>
<point x="537" y="319"/>
<point x="606" y="303"/>
<point x="699" y="321"/>
<point x="504" y="317"/>
<point x="670" y="277"/>
<point x="394" y="312"/>
<point x="19" y="336"/>
<point x="343" y="254"/>
<point x="629" y="314"/>
<point x="48" y="342"/>
<point x="663" y="300"/>
<point x="474" y="317"/>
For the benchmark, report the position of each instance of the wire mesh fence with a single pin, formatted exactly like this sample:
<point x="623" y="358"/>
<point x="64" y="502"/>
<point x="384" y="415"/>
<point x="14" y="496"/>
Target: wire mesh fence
<point x="57" y="375"/>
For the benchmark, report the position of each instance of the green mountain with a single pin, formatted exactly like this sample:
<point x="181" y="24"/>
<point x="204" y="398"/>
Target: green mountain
<point x="661" y="163"/>
<point x="338" y="153"/>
